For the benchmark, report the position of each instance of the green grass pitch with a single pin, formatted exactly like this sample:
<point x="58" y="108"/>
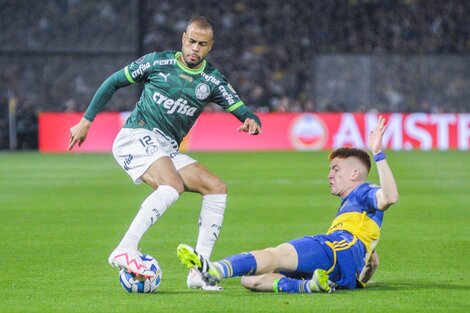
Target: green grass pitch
<point x="62" y="214"/>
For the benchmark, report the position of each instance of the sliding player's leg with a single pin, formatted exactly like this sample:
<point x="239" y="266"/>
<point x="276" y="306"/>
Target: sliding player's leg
<point x="280" y="258"/>
<point x="276" y="282"/>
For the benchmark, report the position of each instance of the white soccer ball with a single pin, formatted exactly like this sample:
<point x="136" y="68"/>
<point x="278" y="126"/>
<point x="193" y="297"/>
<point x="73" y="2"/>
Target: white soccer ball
<point x="136" y="284"/>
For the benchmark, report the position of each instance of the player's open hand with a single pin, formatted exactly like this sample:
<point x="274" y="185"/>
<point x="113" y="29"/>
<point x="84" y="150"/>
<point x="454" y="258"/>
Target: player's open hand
<point x="375" y="136"/>
<point x="78" y="133"/>
<point x="250" y="126"/>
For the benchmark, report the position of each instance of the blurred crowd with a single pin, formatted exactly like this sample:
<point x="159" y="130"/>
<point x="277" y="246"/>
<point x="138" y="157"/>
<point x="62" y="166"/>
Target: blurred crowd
<point x="280" y="55"/>
<point x="272" y="49"/>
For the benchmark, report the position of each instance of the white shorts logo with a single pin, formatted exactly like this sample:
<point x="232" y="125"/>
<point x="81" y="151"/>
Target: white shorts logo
<point x="151" y="149"/>
<point x="202" y="91"/>
<point x="137" y="149"/>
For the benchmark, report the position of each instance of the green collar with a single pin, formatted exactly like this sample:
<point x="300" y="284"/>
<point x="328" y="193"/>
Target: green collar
<point x="187" y="69"/>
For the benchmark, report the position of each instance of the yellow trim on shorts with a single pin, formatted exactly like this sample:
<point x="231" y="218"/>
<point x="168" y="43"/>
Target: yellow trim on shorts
<point x="338" y="246"/>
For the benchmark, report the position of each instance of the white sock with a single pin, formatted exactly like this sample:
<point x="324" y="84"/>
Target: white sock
<point x="210" y="222"/>
<point x="150" y="211"/>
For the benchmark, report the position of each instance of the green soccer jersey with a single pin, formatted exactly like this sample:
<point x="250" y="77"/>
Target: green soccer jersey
<point x="173" y="96"/>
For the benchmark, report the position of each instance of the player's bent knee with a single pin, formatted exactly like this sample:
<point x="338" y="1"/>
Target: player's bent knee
<point x="221" y="187"/>
<point x="272" y="252"/>
<point x="178" y="187"/>
<point x="270" y="259"/>
<point x="217" y="186"/>
<point x="176" y="183"/>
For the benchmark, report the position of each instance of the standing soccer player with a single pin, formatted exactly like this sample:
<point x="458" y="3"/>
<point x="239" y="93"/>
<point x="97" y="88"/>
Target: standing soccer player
<point x="345" y="254"/>
<point x="177" y="87"/>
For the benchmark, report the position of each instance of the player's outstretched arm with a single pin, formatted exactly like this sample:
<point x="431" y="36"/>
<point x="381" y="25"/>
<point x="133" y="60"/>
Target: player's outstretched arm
<point x="79" y="132"/>
<point x="102" y="96"/>
<point x="250" y="126"/>
<point x="388" y="193"/>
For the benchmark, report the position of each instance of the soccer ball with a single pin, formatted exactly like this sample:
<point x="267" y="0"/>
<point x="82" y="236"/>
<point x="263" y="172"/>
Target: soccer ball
<point x="136" y="284"/>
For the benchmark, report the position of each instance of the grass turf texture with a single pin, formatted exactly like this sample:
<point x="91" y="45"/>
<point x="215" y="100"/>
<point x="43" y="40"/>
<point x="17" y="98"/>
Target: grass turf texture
<point x="61" y="215"/>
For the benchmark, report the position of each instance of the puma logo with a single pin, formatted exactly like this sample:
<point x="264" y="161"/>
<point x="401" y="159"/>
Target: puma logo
<point x="164" y="76"/>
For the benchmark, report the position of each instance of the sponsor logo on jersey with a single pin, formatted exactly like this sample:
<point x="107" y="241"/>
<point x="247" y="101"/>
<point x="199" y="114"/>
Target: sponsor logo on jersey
<point x="187" y="77"/>
<point x="164" y="62"/>
<point x="164" y="76"/>
<point x="226" y="95"/>
<point x="211" y="79"/>
<point x="140" y="70"/>
<point x="179" y="105"/>
<point x="308" y="132"/>
<point x="202" y="91"/>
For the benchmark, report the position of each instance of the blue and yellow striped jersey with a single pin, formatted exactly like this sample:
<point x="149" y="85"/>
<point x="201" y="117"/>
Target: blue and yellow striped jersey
<point x="358" y="214"/>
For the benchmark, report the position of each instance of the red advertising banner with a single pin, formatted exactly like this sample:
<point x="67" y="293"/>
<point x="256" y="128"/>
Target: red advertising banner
<point x="54" y="132"/>
<point x="281" y="131"/>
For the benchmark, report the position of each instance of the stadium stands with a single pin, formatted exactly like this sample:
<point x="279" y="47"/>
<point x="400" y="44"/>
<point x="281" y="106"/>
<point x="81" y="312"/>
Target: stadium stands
<point x="328" y="55"/>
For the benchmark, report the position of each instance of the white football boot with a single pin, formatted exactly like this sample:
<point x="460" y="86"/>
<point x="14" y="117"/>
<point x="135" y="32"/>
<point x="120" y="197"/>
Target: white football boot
<point x="130" y="260"/>
<point x="196" y="281"/>
<point x="202" y="274"/>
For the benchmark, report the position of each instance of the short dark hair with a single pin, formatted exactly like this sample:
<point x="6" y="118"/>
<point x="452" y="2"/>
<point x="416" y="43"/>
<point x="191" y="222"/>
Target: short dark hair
<point x="349" y="152"/>
<point x="202" y="22"/>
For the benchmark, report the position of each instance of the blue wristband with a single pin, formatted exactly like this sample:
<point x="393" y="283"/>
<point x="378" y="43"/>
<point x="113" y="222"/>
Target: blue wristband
<point x="379" y="156"/>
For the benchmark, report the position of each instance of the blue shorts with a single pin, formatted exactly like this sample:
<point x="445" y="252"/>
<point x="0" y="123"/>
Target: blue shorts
<point x="338" y="253"/>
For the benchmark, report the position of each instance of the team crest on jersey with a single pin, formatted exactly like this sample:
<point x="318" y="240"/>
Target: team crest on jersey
<point x="202" y="91"/>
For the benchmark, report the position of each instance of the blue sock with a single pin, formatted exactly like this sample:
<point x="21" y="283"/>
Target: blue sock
<point x="237" y="265"/>
<point x="292" y="285"/>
